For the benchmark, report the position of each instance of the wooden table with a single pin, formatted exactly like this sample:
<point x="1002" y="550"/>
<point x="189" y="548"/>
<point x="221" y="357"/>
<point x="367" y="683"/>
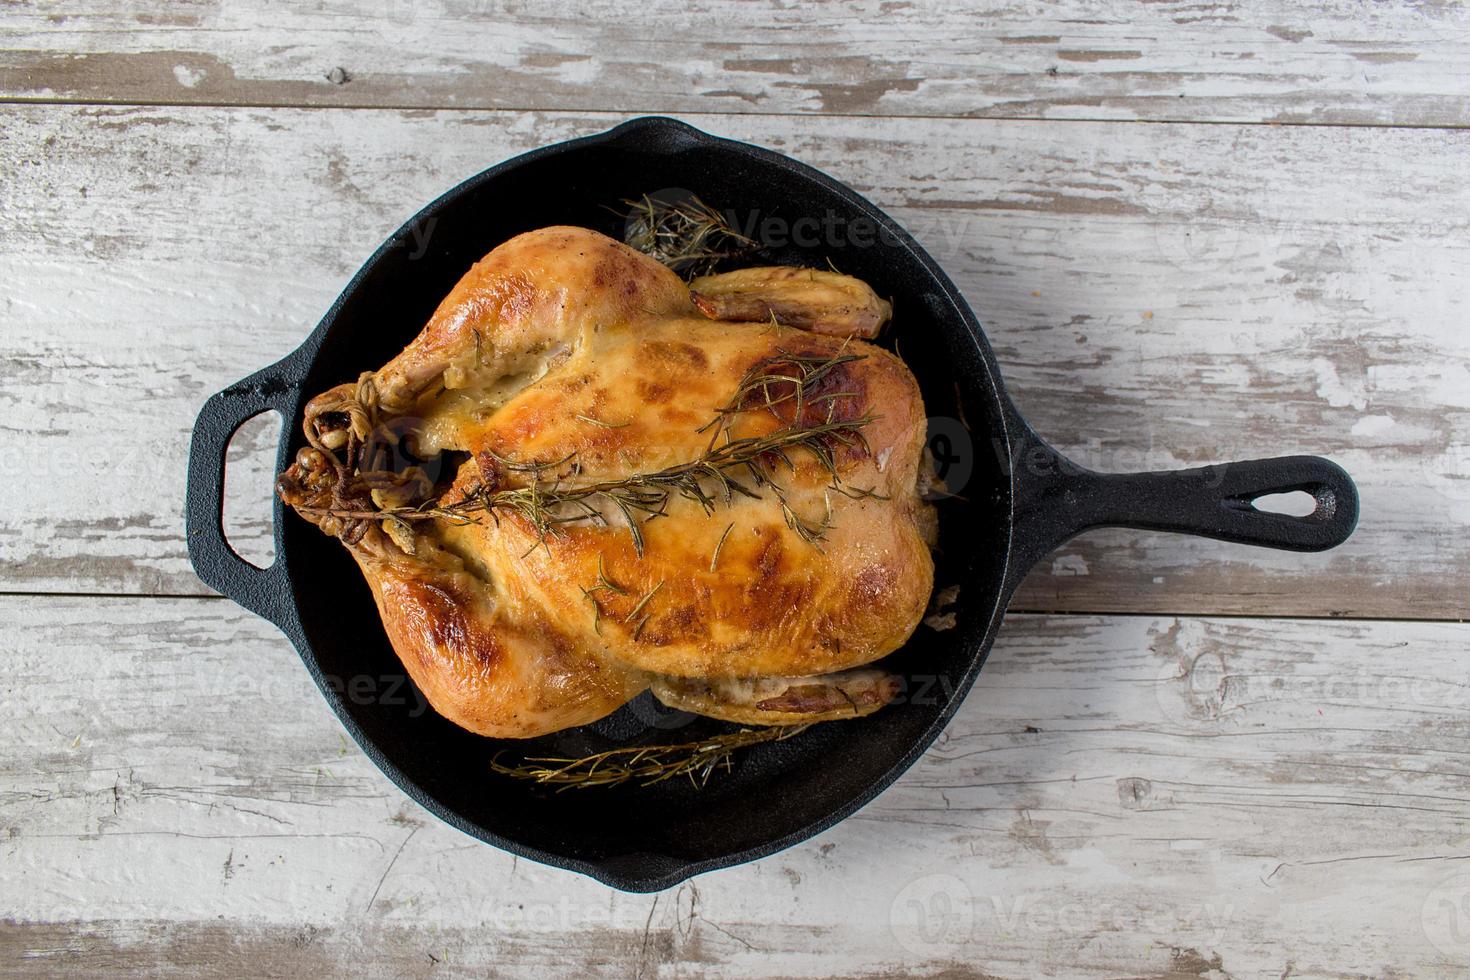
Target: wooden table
<point x="1195" y="231"/>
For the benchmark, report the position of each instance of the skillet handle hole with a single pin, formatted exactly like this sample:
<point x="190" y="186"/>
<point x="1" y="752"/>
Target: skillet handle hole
<point x="250" y="463"/>
<point x="1297" y="503"/>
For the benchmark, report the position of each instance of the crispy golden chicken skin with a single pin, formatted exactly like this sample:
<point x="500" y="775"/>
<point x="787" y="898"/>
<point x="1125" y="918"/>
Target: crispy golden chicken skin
<point x="564" y="362"/>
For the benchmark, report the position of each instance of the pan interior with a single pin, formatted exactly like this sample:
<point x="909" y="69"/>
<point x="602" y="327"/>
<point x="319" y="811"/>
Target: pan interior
<point x="776" y="793"/>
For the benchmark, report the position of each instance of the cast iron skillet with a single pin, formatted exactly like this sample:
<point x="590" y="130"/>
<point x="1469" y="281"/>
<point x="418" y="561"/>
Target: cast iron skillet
<point x="1020" y="500"/>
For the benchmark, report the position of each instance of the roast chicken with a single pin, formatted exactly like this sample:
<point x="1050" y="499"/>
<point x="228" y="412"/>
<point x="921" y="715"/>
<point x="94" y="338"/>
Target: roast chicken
<point x="586" y="478"/>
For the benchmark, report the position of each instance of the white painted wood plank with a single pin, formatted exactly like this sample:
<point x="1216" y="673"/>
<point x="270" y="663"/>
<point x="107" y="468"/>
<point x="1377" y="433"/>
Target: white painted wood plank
<point x="1120" y="796"/>
<point x="1159" y="296"/>
<point x="1402" y="62"/>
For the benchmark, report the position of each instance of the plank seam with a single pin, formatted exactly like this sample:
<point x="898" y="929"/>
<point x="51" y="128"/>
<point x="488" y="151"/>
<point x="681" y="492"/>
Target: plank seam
<point x="630" y="113"/>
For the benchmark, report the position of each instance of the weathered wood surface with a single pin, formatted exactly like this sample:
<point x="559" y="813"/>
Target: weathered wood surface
<point x="1159" y="296"/>
<point x="1120" y="796"/>
<point x="1402" y="62"/>
<point x="1158" y="795"/>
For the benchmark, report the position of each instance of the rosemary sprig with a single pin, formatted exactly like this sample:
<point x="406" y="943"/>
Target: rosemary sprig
<point x="729" y="467"/>
<point x="781" y="378"/>
<point x="688" y="236"/>
<point x="646" y="764"/>
<point x="736" y="467"/>
<point x="798" y="379"/>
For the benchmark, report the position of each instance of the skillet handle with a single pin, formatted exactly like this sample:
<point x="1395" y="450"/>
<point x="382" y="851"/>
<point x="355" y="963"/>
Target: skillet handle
<point x="1212" y="501"/>
<point x="264" y="591"/>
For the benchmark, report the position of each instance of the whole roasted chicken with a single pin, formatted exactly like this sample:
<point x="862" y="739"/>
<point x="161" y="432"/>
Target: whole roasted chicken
<point x="586" y="478"/>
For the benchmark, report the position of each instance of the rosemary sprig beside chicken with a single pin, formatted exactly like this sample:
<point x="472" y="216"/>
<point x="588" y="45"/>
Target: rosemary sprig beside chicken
<point x="687" y="235"/>
<point x="645" y="764"/>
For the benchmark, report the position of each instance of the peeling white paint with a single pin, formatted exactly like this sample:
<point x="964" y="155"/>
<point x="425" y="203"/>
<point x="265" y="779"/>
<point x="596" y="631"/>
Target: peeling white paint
<point x="1069" y="565"/>
<point x="1373" y="425"/>
<point x="1334" y="390"/>
<point x="188" y="77"/>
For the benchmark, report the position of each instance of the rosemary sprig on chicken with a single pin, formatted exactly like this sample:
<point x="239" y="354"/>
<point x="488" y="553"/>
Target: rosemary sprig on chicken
<point x="729" y="467"/>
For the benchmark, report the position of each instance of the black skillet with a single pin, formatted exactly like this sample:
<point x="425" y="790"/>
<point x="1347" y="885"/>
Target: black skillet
<point x="1020" y="500"/>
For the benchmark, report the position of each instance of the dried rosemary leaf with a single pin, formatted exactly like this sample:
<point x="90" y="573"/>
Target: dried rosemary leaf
<point x="644" y="601"/>
<point x="714" y="559"/>
<point x="606" y="425"/>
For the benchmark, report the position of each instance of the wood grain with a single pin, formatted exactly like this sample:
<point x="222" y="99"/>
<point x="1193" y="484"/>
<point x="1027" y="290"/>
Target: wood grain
<point x="1402" y="62"/>
<point x="1159" y="296"/>
<point x="1119" y="796"/>
<point x="1142" y="787"/>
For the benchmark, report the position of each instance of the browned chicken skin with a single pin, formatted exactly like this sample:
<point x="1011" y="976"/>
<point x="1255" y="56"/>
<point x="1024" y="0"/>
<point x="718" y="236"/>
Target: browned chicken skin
<point x="567" y="360"/>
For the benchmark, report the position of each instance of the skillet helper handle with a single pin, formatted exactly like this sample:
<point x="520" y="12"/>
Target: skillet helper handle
<point x="264" y="591"/>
